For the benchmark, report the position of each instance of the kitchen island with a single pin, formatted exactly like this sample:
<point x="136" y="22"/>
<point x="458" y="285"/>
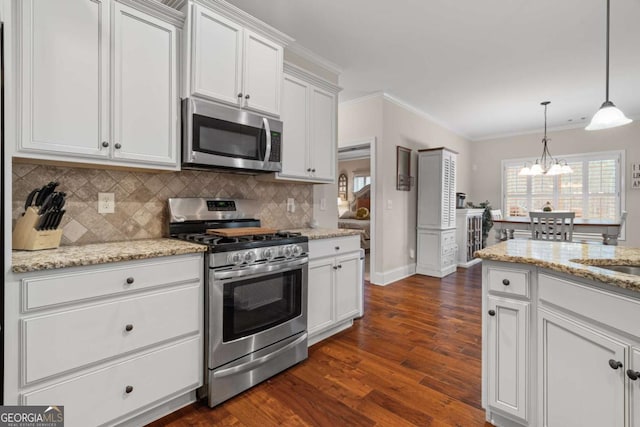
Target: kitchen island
<point x="560" y="335"/>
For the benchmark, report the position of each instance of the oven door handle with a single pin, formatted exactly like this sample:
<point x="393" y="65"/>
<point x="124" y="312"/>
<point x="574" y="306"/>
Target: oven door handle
<point x="259" y="361"/>
<point x="254" y="270"/>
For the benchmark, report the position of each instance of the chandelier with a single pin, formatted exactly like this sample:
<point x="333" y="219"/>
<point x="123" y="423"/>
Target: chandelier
<point x="546" y="164"/>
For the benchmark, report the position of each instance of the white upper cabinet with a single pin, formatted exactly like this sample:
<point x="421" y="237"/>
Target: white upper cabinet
<point x="437" y="188"/>
<point x="99" y="84"/>
<point x="322" y="141"/>
<point x="64" y="65"/>
<point x="309" y="133"/>
<point x="145" y="108"/>
<point x="216" y="71"/>
<point x="234" y="65"/>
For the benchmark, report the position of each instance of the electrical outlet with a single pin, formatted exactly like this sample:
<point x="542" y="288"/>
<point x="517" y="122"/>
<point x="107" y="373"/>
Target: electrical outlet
<point x="323" y="204"/>
<point x="106" y="203"/>
<point x="412" y="254"/>
<point x="291" y="205"/>
<point x="389" y="204"/>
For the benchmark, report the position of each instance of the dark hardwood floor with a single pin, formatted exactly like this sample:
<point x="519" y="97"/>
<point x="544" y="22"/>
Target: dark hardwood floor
<point x="413" y="359"/>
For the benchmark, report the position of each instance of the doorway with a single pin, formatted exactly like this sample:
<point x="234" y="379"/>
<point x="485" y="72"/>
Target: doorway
<point x="356" y="195"/>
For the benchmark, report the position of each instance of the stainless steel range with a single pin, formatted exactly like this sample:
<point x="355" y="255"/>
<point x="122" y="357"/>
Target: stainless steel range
<point x="256" y="293"/>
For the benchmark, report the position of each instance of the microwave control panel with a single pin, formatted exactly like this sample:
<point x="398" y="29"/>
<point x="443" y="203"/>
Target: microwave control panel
<point x="276" y="144"/>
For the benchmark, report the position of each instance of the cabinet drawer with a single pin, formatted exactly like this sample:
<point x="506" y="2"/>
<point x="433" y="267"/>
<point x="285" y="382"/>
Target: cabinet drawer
<point x="56" y="343"/>
<point x="617" y="311"/>
<point x="509" y="282"/>
<point x="330" y="247"/>
<point x="101" y="396"/>
<point x="66" y="286"/>
<point x="448" y="238"/>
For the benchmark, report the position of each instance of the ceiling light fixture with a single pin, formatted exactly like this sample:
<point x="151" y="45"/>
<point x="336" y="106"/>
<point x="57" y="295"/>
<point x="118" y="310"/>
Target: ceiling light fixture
<point x="546" y="164"/>
<point x="608" y="116"/>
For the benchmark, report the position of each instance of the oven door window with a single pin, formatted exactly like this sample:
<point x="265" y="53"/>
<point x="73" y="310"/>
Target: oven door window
<point x="222" y="138"/>
<point x="256" y="304"/>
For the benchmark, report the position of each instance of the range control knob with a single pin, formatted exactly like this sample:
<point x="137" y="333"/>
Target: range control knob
<point x="268" y="254"/>
<point x="287" y="252"/>
<point x="250" y="257"/>
<point x="235" y="258"/>
<point x="297" y="250"/>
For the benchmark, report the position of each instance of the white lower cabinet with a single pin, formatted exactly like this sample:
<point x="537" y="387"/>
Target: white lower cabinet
<point x="582" y="375"/>
<point x="335" y="286"/>
<point x="112" y="343"/>
<point x="558" y="350"/>
<point x="508" y="341"/>
<point x="437" y="252"/>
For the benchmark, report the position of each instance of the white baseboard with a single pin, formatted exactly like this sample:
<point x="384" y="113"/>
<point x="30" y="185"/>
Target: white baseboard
<point x="387" y="277"/>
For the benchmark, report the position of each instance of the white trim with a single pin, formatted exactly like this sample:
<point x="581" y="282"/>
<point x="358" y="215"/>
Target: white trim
<point x="310" y="77"/>
<point x="174" y="4"/>
<point x="403" y="104"/>
<point x="304" y="53"/>
<point x="364" y="98"/>
<point x="158" y="10"/>
<point x="243" y="18"/>
<point x="388" y="277"/>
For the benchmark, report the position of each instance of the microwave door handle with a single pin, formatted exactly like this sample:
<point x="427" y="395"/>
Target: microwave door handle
<point x="267" y="152"/>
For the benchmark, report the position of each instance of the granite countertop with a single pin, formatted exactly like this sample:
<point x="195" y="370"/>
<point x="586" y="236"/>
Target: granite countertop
<point x="326" y="233"/>
<point x="573" y="258"/>
<point x="100" y="253"/>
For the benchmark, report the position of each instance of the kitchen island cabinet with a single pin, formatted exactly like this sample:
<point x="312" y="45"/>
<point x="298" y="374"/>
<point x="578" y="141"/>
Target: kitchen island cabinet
<point x="560" y="335"/>
<point x="116" y="343"/>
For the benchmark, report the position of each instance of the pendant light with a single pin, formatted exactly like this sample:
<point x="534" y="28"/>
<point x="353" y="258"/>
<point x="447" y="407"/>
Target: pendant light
<point x="608" y="116"/>
<point x="546" y="164"/>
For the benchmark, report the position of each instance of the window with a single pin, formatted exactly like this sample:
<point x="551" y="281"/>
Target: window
<point x="360" y="181"/>
<point x="593" y="190"/>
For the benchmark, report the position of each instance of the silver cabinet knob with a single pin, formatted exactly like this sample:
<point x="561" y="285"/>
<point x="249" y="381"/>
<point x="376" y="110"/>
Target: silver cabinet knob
<point x="247" y="96"/>
<point x="105" y="144"/>
<point x="240" y="95"/>
<point x="118" y="146"/>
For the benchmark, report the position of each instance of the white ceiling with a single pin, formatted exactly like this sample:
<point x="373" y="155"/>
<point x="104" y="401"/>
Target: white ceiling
<point x="481" y="68"/>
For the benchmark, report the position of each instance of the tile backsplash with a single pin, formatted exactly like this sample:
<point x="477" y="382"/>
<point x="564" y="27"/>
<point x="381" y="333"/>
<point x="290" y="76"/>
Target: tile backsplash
<point x="141" y="199"/>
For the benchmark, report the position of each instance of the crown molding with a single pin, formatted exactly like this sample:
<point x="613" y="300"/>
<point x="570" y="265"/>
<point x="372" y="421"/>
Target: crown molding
<point x="174" y="4"/>
<point x="301" y="51"/>
<point x="364" y="98"/>
<point x="246" y="20"/>
<point x="303" y="74"/>
<point x="158" y="10"/>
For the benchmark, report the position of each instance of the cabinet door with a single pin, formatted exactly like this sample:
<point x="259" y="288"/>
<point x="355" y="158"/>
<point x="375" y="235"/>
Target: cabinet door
<point x="322" y="141"/>
<point x="348" y="287"/>
<point x="216" y="57"/>
<point x="448" y="205"/>
<point x="263" y="68"/>
<point x="295" y="118"/>
<point x="65" y="77"/>
<point x="578" y="387"/>
<point x="145" y="79"/>
<point x="507" y="323"/>
<point x="430" y="194"/>
<point x="320" y="302"/>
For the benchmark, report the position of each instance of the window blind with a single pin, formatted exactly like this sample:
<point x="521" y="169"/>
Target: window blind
<point x="593" y="190"/>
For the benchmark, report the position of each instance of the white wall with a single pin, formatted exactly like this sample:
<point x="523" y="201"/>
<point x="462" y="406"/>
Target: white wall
<point x="393" y="124"/>
<point x="487" y="157"/>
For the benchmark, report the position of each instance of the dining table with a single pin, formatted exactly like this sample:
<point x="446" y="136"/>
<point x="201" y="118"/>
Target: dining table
<point x="609" y="229"/>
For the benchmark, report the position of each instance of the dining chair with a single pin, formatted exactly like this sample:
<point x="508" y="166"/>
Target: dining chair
<point x="552" y="225"/>
<point x="500" y="235"/>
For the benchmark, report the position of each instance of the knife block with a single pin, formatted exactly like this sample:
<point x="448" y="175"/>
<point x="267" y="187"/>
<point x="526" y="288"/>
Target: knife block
<point x="25" y="235"/>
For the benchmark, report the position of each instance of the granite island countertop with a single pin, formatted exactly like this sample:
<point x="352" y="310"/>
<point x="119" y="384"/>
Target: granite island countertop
<point x="100" y="253"/>
<point x="326" y="233"/>
<point x="573" y="258"/>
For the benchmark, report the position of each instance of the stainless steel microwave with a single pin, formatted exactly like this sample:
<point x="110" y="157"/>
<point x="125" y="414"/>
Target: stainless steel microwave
<point x="219" y="137"/>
